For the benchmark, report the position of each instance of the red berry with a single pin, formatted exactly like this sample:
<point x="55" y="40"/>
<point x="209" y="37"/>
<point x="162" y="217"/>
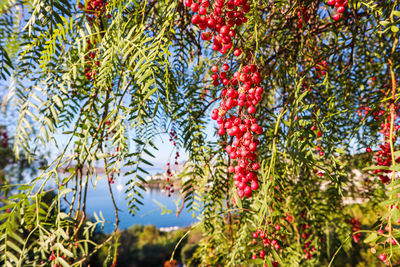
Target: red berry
<point x="211" y="23"/>
<point x="237" y="52"/>
<point x="240" y="193"/>
<point x="196" y="19"/>
<point x="195" y="7"/>
<point x="224" y="30"/>
<point x="369" y="150"/>
<point x="247" y="191"/>
<point x="205" y="3"/>
<point x="203" y="11"/>
<point x="340" y="9"/>
<point x="262" y="254"/>
<point x="382" y="256"/>
<point x="231" y="169"/>
<point x="255" y="166"/>
<point x="188" y="3"/>
<point x="254" y="185"/>
<point x="337" y="16"/>
<point x="206" y="36"/>
<point x="251" y="109"/>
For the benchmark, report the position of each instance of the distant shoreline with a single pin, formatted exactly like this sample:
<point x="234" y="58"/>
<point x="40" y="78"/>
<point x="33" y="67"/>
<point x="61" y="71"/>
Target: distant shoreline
<point x="100" y="170"/>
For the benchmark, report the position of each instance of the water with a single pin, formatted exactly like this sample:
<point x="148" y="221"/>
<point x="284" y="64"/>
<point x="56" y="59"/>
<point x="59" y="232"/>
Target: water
<point x="156" y="203"/>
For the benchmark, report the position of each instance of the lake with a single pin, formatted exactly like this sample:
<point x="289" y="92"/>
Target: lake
<point x="151" y="212"/>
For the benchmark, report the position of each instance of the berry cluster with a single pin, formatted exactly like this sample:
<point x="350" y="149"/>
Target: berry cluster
<point x="52" y="257"/>
<point x="321" y="68"/>
<point x="242" y="127"/>
<point x="318" y="148"/>
<point x="220" y="18"/>
<point x="270" y="241"/>
<point x="355" y="227"/>
<point x="302" y="16"/>
<point x="383" y="156"/>
<point x="382" y="256"/>
<point x="54" y="261"/>
<point x="307" y="236"/>
<point x="242" y="91"/>
<point x="4" y="139"/>
<point x="169" y="187"/>
<point x="340" y="7"/>
<point x="393" y="241"/>
<point x="172" y="138"/>
<point x="274" y="237"/>
<point x="94" y="9"/>
<point x="91" y="62"/>
<point x="308" y="249"/>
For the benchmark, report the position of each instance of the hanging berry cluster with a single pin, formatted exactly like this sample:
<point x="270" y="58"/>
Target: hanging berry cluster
<point x="302" y="16"/>
<point x="220" y="17"/>
<point x="393" y="241"/>
<point x="389" y="128"/>
<point x="4" y="138"/>
<point x="241" y="93"/>
<point x="94" y="9"/>
<point x="91" y="62"/>
<point x="321" y="68"/>
<point x="242" y="126"/>
<point x="173" y="136"/>
<point x="169" y="188"/>
<point x="271" y="240"/>
<point x="274" y="238"/>
<point x="307" y="236"/>
<point x="355" y="227"/>
<point x="383" y="156"/>
<point x="340" y="7"/>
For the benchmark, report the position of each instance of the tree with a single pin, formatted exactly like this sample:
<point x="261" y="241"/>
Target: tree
<point x="299" y="90"/>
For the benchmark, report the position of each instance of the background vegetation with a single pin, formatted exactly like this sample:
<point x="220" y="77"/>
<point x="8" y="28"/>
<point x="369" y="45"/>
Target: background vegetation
<point x="97" y="82"/>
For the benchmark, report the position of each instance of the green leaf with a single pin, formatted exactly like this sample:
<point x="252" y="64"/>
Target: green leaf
<point x="388" y="202"/>
<point x="384" y="23"/>
<point x="237" y="200"/>
<point x="371" y="238"/>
